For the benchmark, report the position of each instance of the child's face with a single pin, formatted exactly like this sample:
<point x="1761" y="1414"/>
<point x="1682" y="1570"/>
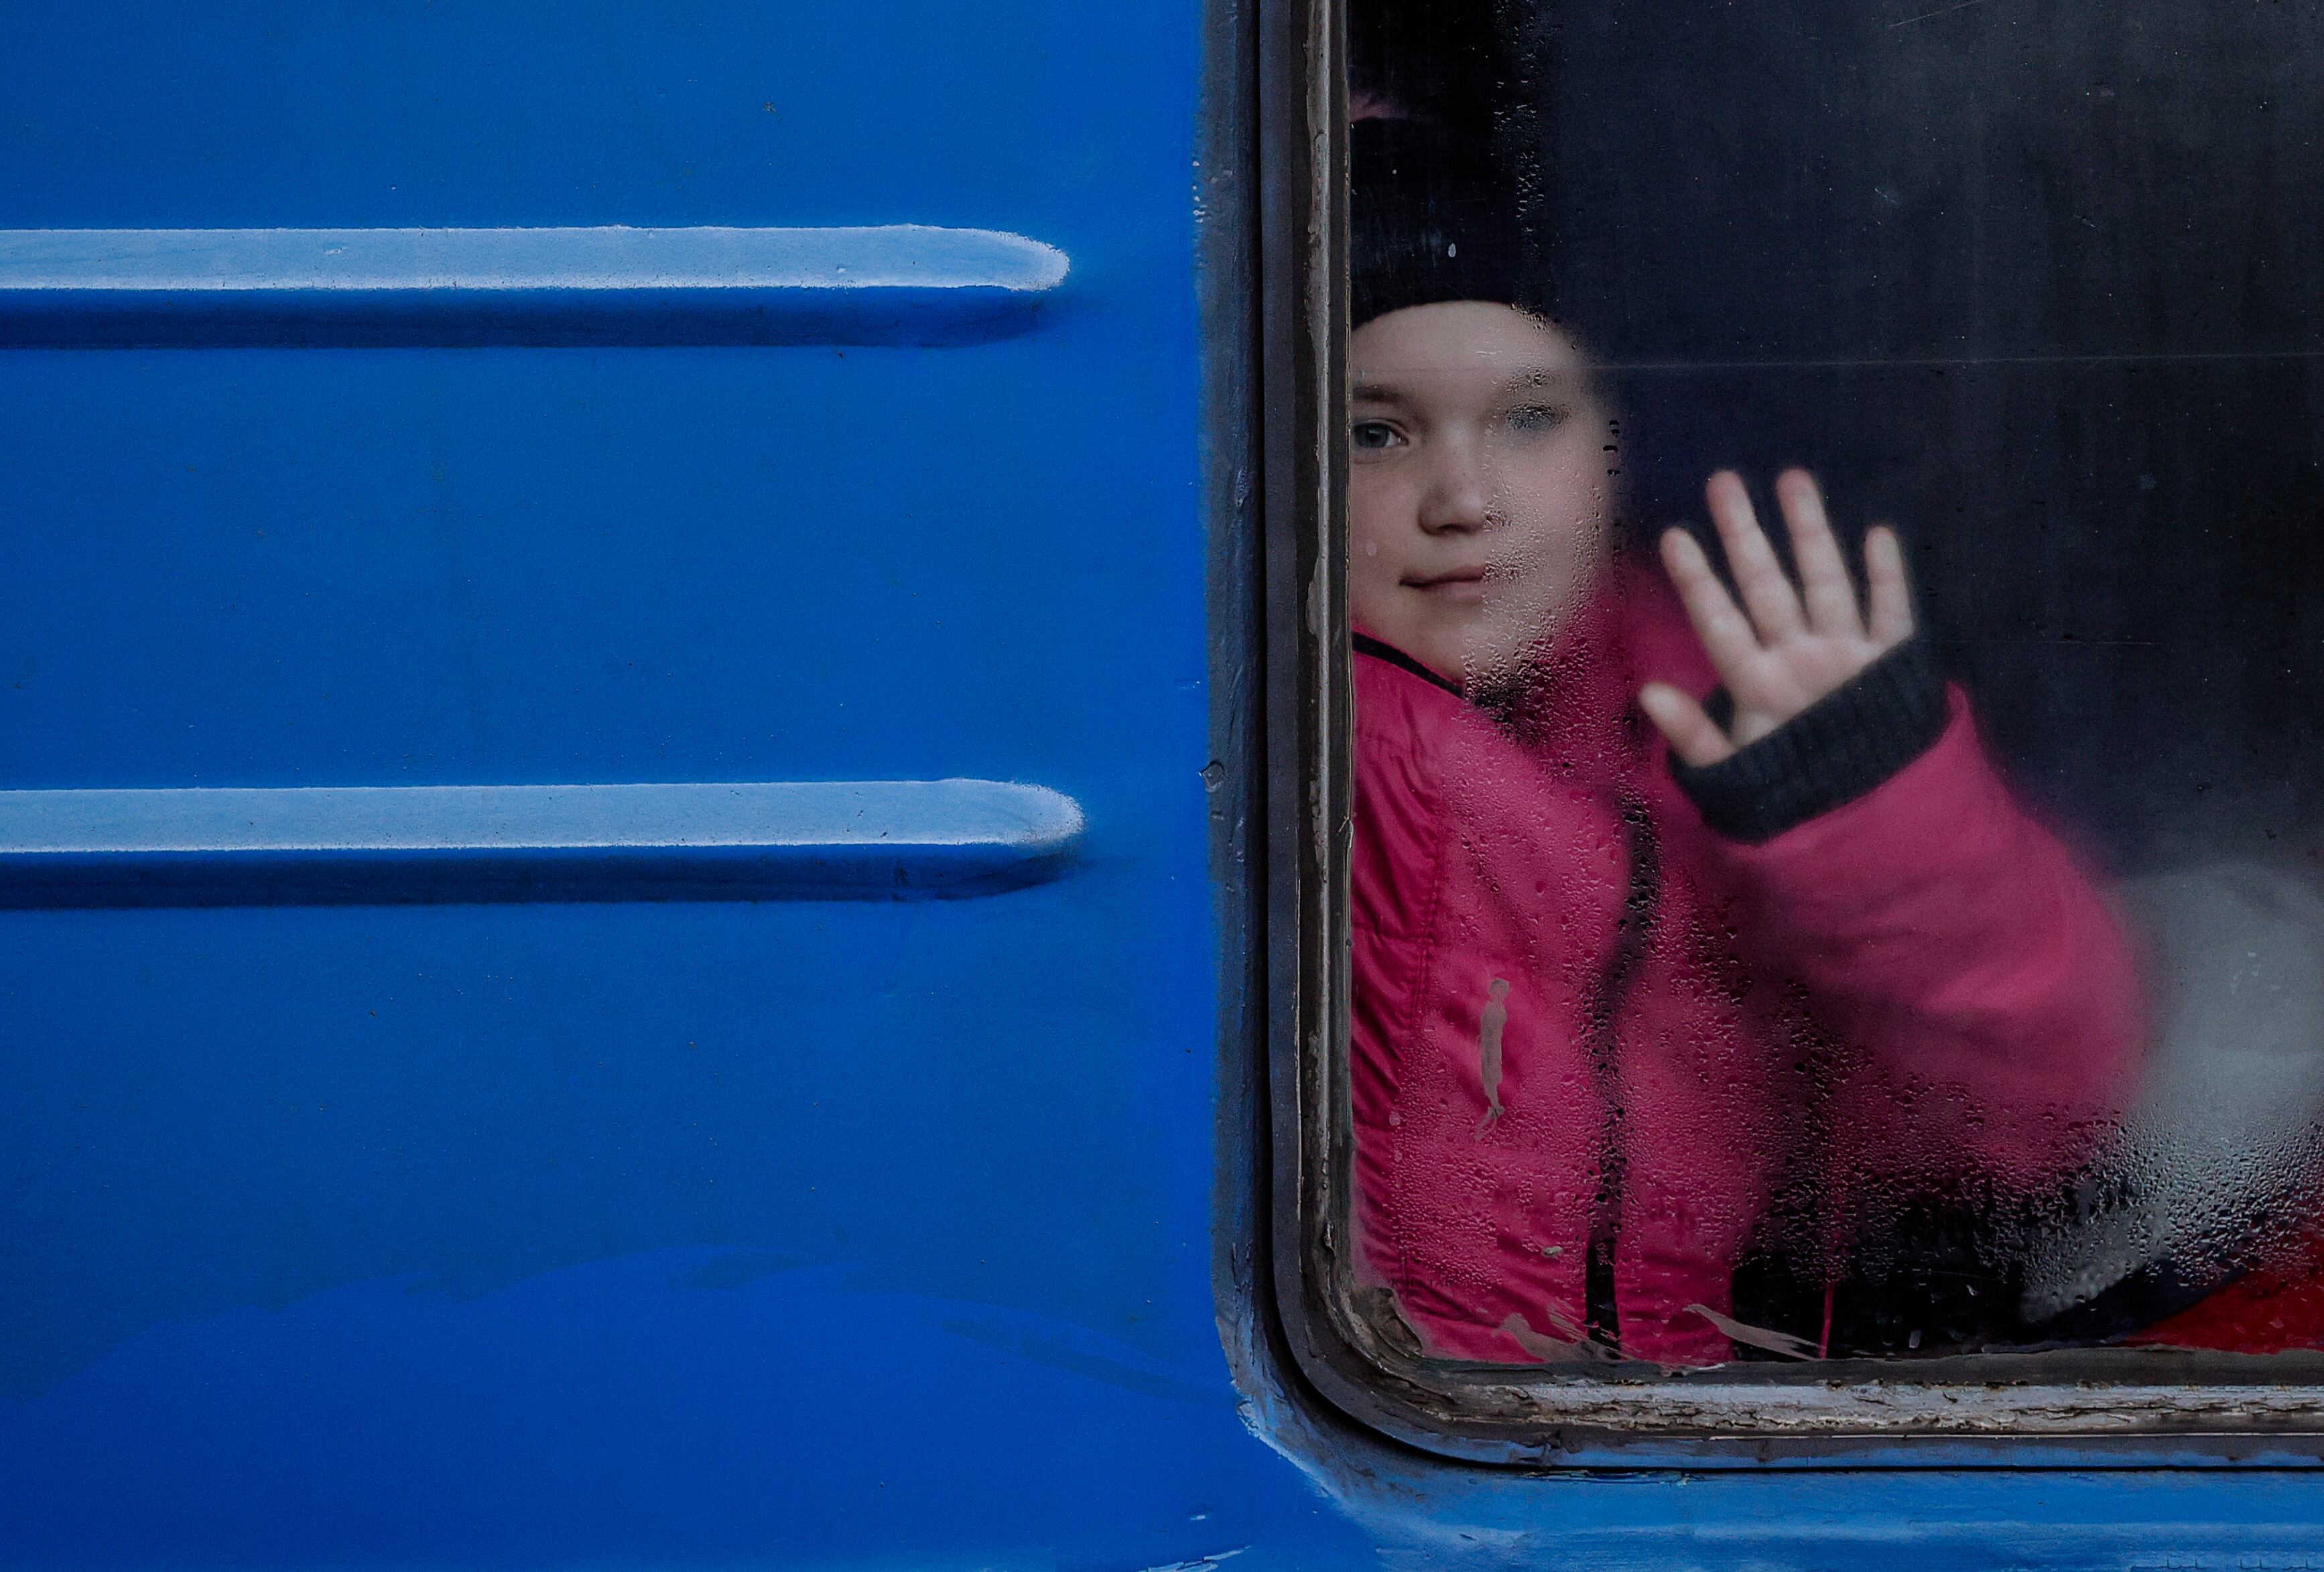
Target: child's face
<point x="1479" y="496"/>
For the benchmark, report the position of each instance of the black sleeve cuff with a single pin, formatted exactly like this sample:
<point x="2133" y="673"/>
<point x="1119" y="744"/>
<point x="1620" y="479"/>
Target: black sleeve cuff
<point x="1834" y="751"/>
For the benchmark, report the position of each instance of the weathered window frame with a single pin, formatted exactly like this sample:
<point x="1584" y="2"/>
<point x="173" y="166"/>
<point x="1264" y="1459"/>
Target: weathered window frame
<point x="2068" y="1409"/>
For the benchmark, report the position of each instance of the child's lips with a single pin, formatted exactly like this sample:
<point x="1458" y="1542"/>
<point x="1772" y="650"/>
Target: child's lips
<point x="1462" y="585"/>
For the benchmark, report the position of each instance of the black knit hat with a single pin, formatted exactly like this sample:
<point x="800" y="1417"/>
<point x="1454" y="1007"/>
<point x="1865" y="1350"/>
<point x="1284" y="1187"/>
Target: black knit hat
<point x="1430" y="219"/>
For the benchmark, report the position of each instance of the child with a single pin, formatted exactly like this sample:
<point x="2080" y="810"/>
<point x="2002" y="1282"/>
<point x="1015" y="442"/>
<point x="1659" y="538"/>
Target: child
<point x="1621" y="984"/>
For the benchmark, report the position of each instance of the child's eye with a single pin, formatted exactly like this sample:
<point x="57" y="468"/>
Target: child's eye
<point x="1533" y="419"/>
<point x="1373" y="436"/>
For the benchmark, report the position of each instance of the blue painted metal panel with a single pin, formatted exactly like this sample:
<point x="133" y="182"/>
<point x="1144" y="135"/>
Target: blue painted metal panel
<point x="698" y="841"/>
<point x="620" y="1233"/>
<point x="907" y="284"/>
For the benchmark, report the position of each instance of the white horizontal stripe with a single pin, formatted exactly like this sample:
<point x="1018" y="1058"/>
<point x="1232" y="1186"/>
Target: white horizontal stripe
<point x="900" y="256"/>
<point x="1030" y="820"/>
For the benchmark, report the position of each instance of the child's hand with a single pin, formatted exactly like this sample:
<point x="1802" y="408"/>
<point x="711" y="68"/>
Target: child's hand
<point x="1783" y="657"/>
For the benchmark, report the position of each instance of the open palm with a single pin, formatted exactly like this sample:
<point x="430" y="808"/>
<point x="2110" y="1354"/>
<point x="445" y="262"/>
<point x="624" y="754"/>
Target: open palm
<point x="1796" y="644"/>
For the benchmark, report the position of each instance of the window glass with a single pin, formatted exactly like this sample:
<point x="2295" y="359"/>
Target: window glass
<point x="1837" y="614"/>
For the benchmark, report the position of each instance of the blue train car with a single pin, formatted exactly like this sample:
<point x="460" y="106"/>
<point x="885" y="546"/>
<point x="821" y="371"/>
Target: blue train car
<point x="673" y="714"/>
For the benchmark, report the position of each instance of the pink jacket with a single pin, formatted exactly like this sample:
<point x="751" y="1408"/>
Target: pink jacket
<point x="1667" y="988"/>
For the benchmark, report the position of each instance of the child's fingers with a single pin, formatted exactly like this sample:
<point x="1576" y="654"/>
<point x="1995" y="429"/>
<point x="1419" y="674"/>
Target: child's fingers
<point x="1824" y="585"/>
<point x="1726" y="635"/>
<point x="1891" y="622"/>
<point x="1767" y="592"/>
<point x="1692" y="734"/>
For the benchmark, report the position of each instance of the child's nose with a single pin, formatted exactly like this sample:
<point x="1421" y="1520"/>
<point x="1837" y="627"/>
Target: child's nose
<point x="1457" y="497"/>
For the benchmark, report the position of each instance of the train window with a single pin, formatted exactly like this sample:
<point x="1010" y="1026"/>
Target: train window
<point x="1827" y="516"/>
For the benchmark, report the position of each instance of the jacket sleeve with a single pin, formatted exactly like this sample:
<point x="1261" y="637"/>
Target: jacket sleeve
<point x="1956" y="944"/>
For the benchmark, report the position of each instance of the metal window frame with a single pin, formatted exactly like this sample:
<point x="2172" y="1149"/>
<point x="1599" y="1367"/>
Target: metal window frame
<point x="1280" y="612"/>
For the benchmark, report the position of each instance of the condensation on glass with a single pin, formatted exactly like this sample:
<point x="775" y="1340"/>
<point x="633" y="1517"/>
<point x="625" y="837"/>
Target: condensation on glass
<point x="1836" y="576"/>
